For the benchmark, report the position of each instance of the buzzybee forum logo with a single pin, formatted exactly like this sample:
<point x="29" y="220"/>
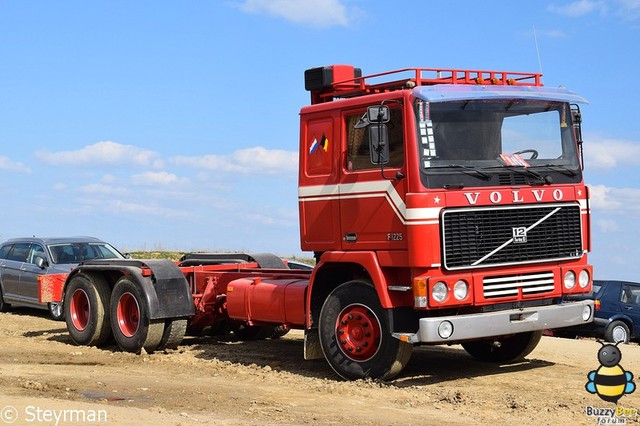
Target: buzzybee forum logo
<point x="610" y="381"/>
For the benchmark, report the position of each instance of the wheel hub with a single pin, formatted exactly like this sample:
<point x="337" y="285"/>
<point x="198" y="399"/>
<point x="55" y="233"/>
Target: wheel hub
<point x="128" y="314"/>
<point x="79" y="309"/>
<point x="358" y="332"/>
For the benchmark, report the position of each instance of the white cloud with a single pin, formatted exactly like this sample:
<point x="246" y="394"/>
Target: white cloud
<point x="315" y="13"/>
<point x="602" y="153"/>
<point x="101" y="188"/>
<point x="620" y="201"/>
<point x="127" y="208"/>
<point x="607" y="225"/>
<point x="629" y="9"/>
<point x="579" y="8"/>
<point x="100" y="154"/>
<point x="257" y="160"/>
<point x="13" y="166"/>
<point x="157" y="178"/>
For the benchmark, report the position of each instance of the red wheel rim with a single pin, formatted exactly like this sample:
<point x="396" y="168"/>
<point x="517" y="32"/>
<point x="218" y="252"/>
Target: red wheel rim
<point x="128" y="314"/>
<point x="358" y="332"/>
<point x="80" y="309"/>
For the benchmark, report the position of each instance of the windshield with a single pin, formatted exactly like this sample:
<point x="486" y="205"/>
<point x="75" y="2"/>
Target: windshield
<point x="495" y="135"/>
<point x="78" y="252"/>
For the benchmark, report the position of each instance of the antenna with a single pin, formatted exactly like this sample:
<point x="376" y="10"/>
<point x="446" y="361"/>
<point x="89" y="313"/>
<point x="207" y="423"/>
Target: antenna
<point x="535" y="38"/>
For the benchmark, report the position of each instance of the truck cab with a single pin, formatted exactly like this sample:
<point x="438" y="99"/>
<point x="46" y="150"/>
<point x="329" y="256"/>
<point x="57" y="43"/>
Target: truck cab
<point x="456" y="195"/>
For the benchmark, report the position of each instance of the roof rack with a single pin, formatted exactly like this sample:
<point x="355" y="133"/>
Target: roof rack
<point x="343" y="81"/>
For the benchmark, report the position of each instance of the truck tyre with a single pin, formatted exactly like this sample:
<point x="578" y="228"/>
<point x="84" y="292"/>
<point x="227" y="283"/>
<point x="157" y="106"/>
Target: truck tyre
<point x="508" y="349"/>
<point x="174" y="331"/>
<point x="130" y="323"/>
<point x="617" y="331"/>
<point x="355" y="334"/>
<point x="56" y="310"/>
<point x="4" y="307"/>
<point x="87" y="310"/>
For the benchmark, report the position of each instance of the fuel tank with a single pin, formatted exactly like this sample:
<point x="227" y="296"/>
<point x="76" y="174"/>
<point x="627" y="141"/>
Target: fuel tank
<point x="275" y="300"/>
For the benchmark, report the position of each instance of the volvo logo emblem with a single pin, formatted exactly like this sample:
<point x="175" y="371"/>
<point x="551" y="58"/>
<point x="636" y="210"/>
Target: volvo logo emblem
<point x="519" y="234"/>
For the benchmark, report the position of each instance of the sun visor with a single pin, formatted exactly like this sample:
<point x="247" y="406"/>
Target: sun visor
<point x="456" y="92"/>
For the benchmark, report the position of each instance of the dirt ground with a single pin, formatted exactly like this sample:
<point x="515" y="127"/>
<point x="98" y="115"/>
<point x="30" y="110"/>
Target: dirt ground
<point x="45" y="379"/>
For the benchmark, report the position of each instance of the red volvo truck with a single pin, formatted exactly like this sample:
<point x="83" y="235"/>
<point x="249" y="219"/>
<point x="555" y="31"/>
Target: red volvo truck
<point x="442" y="206"/>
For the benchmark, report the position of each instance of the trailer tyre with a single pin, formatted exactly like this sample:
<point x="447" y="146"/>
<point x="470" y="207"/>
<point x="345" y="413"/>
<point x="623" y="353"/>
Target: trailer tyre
<point x="174" y="331"/>
<point x="130" y="323"/>
<point x="355" y="334"/>
<point x="507" y="349"/>
<point x="86" y="310"/>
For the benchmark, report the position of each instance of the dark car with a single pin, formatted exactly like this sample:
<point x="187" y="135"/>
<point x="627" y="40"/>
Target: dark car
<point x="23" y="259"/>
<point x="617" y="313"/>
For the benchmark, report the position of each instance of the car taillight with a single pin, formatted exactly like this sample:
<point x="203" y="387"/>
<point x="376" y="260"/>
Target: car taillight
<point x="596" y="304"/>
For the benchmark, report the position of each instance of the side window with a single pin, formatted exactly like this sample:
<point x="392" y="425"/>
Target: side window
<point x="631" y="294"/>
<point x="4" y="251"/>
<point x="36" y="250"/>
<point x="19" y="252"/>
<point x="358" y="156"/>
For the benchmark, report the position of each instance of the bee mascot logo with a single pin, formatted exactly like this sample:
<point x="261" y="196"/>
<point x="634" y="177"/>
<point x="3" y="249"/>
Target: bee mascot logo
<point x="610" y="381"/>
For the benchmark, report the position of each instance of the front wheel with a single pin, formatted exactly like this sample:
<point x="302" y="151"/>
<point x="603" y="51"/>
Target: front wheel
<point x="4" y="307"/>
<point x="355" y="334"/>
<point x="616" y="332"/>
<point x="504" y="349"/>
<point x="132" y="328"/>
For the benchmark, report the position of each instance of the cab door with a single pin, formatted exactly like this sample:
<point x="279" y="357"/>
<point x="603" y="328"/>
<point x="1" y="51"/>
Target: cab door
<point x="372" y="198"/>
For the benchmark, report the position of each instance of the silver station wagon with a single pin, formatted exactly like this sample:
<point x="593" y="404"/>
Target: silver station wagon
<point x="23" y="259"/>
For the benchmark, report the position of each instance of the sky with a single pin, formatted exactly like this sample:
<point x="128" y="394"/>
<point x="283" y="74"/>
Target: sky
<point x="173" y="125"/>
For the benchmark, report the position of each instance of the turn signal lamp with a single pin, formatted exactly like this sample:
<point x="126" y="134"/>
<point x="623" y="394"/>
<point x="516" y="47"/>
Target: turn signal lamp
<point x="420" y="292"/>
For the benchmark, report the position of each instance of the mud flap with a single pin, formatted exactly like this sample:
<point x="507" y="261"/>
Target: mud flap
<point x="312" y="348"/>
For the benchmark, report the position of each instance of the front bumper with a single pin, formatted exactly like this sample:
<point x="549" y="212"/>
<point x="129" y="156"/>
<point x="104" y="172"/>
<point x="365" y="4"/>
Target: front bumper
<point x="489" y="324"/>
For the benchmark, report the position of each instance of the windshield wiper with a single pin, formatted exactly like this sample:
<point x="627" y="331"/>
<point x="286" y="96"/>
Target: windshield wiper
<point x="525" y="171"/>
<point x="470" y="170"/>
<point x="558" y="168"/>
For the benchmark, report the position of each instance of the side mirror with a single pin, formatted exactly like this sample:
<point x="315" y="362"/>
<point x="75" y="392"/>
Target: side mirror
<point x="378" y="114"/>
<point x="41" y="263"/>
<point x="379" y="143"/>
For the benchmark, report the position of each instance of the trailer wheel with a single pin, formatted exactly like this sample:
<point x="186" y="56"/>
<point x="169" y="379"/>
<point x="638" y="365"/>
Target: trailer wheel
<point x="174" y="331"/>
<point x="4" y="307"/>
<point x="355" y="334"/>
<point x="259" y="332"/>
<point x="616" y="332"/>
<point x="87" y="310"/>
<point x="56" y="310"/>
<point x="275" y="332"/>
<point x="504" y="349"/>
<point x="248" y="332"/>
<point x="130" y="323"/>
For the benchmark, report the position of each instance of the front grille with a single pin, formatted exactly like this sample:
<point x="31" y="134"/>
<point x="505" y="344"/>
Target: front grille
<point x="482" y="237"/>
<point x="506" y="286"/>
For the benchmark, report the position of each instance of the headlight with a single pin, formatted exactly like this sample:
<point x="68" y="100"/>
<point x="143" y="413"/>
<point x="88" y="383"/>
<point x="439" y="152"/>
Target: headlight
<point x="439" y="292"/>
<point x="461" y="290"/>
<point x="569" y="280"/>
<point x="583" y="278"/>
